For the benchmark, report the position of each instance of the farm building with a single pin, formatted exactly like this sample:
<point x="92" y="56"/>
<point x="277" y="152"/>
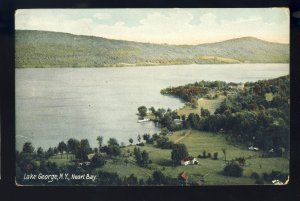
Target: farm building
<point x="189" y="161"/>
<point x="183" y="176"/>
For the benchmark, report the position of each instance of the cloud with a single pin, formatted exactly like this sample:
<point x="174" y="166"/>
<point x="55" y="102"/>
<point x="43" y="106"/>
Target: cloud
<point x="174" y="26"/>
<point x="208" y="19"/>
<point x="102" y="16"/>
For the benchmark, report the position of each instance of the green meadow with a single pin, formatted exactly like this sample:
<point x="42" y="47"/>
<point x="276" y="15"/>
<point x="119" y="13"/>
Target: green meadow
<point x="208" y="169"/>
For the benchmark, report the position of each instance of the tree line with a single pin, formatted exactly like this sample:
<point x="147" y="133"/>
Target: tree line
<point x="256" y="115"/>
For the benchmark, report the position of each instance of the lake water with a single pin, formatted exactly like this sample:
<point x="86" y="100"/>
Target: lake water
<point x="55" y="104"/>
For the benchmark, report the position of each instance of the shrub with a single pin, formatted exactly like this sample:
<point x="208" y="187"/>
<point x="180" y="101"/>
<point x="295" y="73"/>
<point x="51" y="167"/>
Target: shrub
<point x="204" y="154"/>
<point x="259" y="181"/>
<point x="233" y="169"/>
<point x="141" y="144"/>
<point x="215" y="156"/>
<point x="277" y="175"/>
<point x="265" y="176"/>
<point x="209" y="155"/>
<point x="97" y="161"/>
<point x="254" y="175"/>
<point x="240" y="160"/>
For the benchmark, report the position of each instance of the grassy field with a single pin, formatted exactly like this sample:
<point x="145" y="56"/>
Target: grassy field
<point x="210" y="104"/>
<point x="208" y="169"/>
<point x="61" y="160"/>
<point x="196" y="142"/>
<point x="215" y="59"/>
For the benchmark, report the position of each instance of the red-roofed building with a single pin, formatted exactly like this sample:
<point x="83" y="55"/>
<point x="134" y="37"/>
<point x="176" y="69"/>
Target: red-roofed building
<point x="183" y="176"/>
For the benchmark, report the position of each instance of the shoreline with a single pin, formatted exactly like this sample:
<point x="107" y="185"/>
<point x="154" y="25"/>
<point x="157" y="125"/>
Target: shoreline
<point x="147" y="65"/>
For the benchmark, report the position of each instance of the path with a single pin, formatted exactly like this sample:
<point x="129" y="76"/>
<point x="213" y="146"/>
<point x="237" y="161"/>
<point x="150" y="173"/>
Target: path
<point x="182" y="137"/>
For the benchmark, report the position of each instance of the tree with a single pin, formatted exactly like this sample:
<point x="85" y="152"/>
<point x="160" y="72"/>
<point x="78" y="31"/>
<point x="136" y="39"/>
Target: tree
<point x="152" y="110"/>
<point x="28" y="148"/>
<point x="145" y="158"/>
<point x="137" y="156"/>
<point x="55" y="150"/>
<point x="139" y="138"/>
<point x="97" y="161"/>
<point x="141" y="157"/>
<point x="130" y="141"/>
<point x="73" y="146"/>
<point x="162" y="141"/>
<point x="215" y="156"/>
<point x="146" y="137"/>
<point x="49" y="152"/>
<point x="159" y="113"/>
<point x="179" y="152"/>
<point x="62" y="147"/>
<point x="193" y="120"/>
<point x="113" y="147"/>
<point x="40" y="152"/>
<point x="204" y="112"/>
<point x="84" y="149"/>
<point x="142" y="111"/>
<point x="233" y="169"/>
<point x="164" y="131"/>
<point x="158" y="177"/>
<point x="100" y="141"/>
<point x="224" y="152"/>
<point x="131" y="180"/>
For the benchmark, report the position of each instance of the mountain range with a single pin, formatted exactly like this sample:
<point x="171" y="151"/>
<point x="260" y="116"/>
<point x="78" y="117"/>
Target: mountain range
<point x="55" y="49"/>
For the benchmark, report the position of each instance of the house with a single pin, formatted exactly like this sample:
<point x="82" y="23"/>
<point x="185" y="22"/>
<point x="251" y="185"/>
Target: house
<point x="87" y="163"/>
<point x="232" y="85"/>
<point x="252" y="148"/>
<point x="189" y="161"/>
<point x="80" y="163"/>
<point x="277" y="182"/>
<point x="177" y="121"/>
<point x="183" y="176"/>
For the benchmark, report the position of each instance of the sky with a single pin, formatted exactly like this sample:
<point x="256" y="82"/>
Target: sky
<point x="163" y="26"/>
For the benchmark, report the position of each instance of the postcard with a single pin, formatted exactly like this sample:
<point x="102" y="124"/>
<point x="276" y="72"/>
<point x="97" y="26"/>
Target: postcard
<point x="152" y="97"/>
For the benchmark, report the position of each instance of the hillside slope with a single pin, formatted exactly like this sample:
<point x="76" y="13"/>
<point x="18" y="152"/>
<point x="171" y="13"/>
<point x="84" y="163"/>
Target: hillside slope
<point x="53" y="49"/>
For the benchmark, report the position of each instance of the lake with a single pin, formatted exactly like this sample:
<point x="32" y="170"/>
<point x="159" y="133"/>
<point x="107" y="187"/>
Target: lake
<point x="55" y="104"/>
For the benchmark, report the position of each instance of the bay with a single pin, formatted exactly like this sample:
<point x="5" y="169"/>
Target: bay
<point x="55" y="104"/>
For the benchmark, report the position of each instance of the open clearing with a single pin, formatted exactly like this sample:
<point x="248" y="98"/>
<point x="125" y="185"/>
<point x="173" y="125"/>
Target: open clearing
<point x="210" y="104"/>
<point x="196" y="143"/>
<point x="208" y="169"/>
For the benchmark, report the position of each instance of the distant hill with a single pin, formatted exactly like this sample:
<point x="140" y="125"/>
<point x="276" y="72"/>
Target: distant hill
<point x="54" y="49"/>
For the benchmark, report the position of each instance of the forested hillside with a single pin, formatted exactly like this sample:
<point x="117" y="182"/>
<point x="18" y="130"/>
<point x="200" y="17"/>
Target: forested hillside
<point x="253" y="113"/>
<point x="53" y="49"/>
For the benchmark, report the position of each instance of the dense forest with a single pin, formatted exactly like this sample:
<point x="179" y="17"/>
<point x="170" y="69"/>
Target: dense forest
<point x="253" y="113"/>
<point x="54" y="49"/>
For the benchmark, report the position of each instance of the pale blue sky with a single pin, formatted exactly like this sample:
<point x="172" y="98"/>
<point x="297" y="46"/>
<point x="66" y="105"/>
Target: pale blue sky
<point x="173" y="26"/>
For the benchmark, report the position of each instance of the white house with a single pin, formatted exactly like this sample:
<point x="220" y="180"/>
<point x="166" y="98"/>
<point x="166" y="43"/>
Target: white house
<point x="252" y="148"/>
<point x="177" y="121"/>
<point x="189" y="161"/>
